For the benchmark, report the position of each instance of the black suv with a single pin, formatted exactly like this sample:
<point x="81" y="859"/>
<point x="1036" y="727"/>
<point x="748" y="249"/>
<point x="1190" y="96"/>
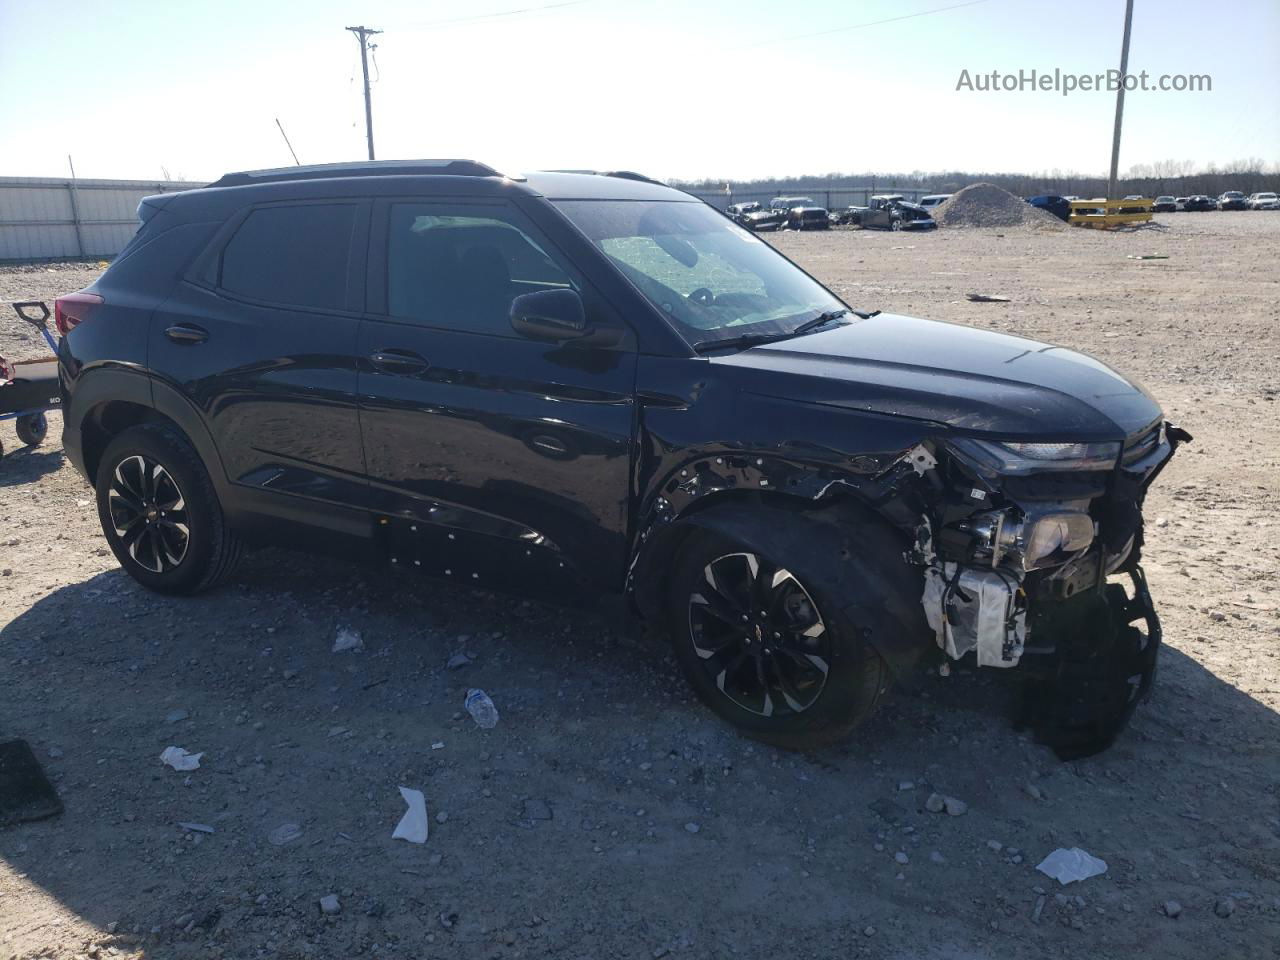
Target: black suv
<point x="585" y="386"/>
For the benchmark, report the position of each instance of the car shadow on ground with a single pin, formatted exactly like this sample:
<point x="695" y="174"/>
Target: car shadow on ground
<point x="27" y="465"/>
<point x="103" y="676"/>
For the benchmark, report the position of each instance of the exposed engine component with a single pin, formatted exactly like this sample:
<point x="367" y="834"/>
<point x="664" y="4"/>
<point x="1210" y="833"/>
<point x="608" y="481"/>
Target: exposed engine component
<point x="1044" y="535"/>
<point x="975" y="609"/>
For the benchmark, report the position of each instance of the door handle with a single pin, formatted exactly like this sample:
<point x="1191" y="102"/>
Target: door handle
<point x="402" y="362"/>
<point x="187" y="333"/>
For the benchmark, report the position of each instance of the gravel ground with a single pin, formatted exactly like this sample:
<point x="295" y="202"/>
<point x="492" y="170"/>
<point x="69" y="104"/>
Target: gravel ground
<point x="608" y="814"/>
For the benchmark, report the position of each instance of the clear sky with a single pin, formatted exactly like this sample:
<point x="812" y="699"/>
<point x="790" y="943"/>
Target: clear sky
<point x="728" y="89"/>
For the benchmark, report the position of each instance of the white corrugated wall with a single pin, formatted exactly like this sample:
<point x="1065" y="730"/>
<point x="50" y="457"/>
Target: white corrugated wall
<point x="45" y="218"/>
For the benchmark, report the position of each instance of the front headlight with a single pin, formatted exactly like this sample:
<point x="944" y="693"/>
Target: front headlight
<point x="995" y="459"/>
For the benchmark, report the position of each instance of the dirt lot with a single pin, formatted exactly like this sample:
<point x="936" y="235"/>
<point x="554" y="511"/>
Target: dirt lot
<point x="608" y="814"/>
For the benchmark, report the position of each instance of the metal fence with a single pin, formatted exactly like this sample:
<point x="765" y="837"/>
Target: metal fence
<point x="833" y="198"/>
<point x="46" y="218"/>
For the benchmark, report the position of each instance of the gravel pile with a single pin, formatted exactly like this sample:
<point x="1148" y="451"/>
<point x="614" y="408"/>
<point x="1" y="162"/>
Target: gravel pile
<point x="985" y="205"/>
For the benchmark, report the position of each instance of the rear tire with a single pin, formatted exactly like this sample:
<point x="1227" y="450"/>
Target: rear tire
<point x="160" y="512"/>
<point x="32" y="428"/>
<point x="792" y="670"/>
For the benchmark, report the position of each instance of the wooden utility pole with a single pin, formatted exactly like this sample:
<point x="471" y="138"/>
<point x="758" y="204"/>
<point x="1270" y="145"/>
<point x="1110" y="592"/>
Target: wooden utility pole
<point x="362" y="35"/>
<point x="1124" y="72"/>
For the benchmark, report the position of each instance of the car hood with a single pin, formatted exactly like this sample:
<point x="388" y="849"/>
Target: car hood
<point x="975" y="381"/>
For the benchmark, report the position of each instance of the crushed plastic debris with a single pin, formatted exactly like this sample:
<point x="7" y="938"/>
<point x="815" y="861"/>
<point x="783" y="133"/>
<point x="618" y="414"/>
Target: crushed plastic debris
<point x="985" y="298"/>
<point x="348" y="639"/>
<point x="481" y="708"/>
<point x="285" y="833"/>
<point x="413" y="825"/>
<point x="1068" y="866"/>
<point x="180" y="759"/>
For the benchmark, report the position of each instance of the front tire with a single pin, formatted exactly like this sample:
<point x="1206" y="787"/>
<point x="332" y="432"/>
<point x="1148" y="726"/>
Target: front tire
<point x="768" y="652"/>
<point x="160" y="512"/>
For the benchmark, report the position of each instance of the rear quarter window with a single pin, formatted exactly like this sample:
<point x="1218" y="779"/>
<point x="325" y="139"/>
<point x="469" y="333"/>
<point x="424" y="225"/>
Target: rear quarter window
<point x="295" y="255"/>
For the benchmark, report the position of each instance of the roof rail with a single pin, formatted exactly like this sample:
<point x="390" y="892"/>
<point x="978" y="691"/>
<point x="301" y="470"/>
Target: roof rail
<point x="621" y="174"/>
<point x="632" y="175"/>
<point x="365" y="168"/>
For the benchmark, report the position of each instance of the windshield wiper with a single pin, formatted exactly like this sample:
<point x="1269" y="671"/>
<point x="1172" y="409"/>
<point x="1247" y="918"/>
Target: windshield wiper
<point x="818" y="321"/>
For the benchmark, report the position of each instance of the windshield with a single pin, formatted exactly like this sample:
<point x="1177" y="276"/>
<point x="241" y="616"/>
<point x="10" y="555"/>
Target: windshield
<point x="712" y="278"/>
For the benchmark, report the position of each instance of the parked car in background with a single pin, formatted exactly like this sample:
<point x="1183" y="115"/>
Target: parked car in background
<point x="598" y="389"/>
<point x="1181" y="202"/>
<point x="786" y="203"/>
<point x="756" y="217"/>
<point x="1164" y="205"/>
<point x="1233" y="200"/>
<point x="1264" y="201"/>
<point x="808" y="218"/>
<point x="1200" y="202"/>
<point x="1142" y="207"/>
<point x="849" y="216"/>
<point x="893" y="212"/>
<point x="1060" y="207"/>
<point x="934" y="199"/>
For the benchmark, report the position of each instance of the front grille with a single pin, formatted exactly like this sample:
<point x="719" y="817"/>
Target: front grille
<point x="1140" y="445"/>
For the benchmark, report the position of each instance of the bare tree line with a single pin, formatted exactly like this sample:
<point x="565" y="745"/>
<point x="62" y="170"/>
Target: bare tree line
<point x="1176" y="177"/>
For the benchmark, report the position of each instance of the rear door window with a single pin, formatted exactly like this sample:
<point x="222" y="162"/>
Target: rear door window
<point x="296" y="255"/>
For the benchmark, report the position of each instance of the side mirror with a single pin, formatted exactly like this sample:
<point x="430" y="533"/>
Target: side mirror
<point x="550" y="315"/>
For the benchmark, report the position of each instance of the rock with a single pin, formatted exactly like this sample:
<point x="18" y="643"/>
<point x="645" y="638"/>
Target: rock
<point x="936" y="857"/>
<point x="536" y="810"/>
<point x="954" y="807"/>
<point x="374" y="908"/>
<point x="995" y="845"/>
<point x="692" y="827"/>
<point x="906" y="785"/>
<point x="55" y="753"/>
<point x="458" y="661"/>
<point x="330" y="906"/>
<point x="1225" y="907"/>
<point x="1034" y="792"/>
<point x="448" y="918"/>
<point x="936" y="803"/>
<point x="176" y="716"/>
<point x="1172" y="908"/>
<point x="901" y="857"/>
<point x="441" y="817"/>
<point x="868" y="931"/>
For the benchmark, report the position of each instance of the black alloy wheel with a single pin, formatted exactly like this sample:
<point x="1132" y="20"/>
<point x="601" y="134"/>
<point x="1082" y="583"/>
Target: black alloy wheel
<point x="149" y="514"/>
<point x="759" y="635"/>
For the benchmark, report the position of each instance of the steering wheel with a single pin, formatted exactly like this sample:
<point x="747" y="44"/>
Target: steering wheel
<point x="703" y="296"/>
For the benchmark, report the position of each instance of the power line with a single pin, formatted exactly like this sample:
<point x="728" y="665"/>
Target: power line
<point x="493" y="16"/>
<point x="859" y="26"/>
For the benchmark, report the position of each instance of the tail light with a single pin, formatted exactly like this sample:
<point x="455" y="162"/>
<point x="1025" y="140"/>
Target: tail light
<point x="73" y="309"/>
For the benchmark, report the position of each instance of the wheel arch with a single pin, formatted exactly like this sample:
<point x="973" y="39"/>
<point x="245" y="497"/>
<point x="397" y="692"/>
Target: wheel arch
<point x="117" y="401"/>
<point x="831" y="535"/>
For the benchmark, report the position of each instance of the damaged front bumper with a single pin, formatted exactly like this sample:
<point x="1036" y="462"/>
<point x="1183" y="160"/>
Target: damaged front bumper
<point x="1042" y="571"/>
